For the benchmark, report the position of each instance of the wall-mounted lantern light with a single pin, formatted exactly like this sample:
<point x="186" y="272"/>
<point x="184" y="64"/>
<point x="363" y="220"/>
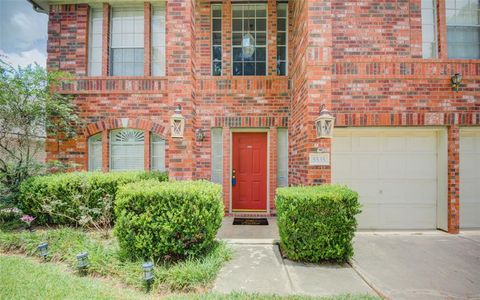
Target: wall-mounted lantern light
<point x="43" y="250"/>
<point x="148" y="274"/>
<point x="324" y="124"/>
<point x="82" y="260"/>
<point x="199" y="135"/>
<point x="177" y="123"/>
<point x="456" y="81"/>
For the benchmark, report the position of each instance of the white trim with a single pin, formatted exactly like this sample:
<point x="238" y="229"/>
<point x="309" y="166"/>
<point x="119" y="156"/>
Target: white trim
<point x="253" y="130"/>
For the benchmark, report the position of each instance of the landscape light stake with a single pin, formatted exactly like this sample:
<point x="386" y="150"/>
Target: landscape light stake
<point x="43" y="249"/>
<point x="148" y="274"/>
<point x="83" y="263"/>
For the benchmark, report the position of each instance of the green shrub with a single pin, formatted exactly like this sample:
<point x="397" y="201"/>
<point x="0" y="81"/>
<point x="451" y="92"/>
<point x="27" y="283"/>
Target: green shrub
<point x="76" y="198"/>
<point x="317" y="223"/>
<point x="168" y="221"/>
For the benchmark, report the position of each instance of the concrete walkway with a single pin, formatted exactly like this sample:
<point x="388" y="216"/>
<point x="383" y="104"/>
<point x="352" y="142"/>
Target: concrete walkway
<point x="260" y="269"/>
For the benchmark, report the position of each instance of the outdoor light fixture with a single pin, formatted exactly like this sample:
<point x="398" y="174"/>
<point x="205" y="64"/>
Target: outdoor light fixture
<point x="82" y="259"/>
<point x="148" y="273"/>
<point x="177" y="123"/>
<point x="248" y="45"/>
<point x="324" y="124"/>
<point x="200" y="135"/>
<point x="248" y="41"/>
<point x="456" y="81"/>
<point x="43" y="249"/>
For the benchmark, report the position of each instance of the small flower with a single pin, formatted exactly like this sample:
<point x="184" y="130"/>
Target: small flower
<point x="27" y="219"/>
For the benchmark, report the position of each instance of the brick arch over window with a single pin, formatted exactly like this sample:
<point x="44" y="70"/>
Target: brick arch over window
<point x="107" y="125"/>
<point x="118" y="123"/>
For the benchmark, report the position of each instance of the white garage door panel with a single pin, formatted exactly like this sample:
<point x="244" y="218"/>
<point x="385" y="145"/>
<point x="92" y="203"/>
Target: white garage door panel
<point x="470" y="179"/>
<point x="395" y="173"/>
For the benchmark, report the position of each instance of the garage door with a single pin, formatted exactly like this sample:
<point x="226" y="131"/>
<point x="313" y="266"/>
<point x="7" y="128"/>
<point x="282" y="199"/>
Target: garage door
<point x="470" y="179"/>
<point x="395" y="173"/>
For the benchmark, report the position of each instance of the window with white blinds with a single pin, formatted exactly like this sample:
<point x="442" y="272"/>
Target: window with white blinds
<point x="158" y="39"/>
<point x="95" y="152"/>
<point x="95" y="42"/>
<point x="157" y="153"/>
<point x="217" y="155"/>
<point x="127" y="150"/>
<point x="127" y="41"/>
<point x="282" y="157"/>
<point x="463" y="28"/>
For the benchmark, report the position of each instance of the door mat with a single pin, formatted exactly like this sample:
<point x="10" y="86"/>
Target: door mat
<point x="250" y="221"/>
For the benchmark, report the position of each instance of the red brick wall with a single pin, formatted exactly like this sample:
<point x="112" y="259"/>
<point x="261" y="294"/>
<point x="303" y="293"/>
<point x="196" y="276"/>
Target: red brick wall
<point x="365" y="28"/>
<point x="67" y="38"/>
<point x="359" y="58"/>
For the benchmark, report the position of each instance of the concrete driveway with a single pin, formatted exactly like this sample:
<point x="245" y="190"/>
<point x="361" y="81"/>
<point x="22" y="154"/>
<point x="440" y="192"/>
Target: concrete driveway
<point x="430" y="265"/>
<point x="427" y="265"/>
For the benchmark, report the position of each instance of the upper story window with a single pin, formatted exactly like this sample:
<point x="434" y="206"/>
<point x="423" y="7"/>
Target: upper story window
<point x="126" y="41"/>
<point x="216" y="39"/>
<point x="249" y="28"/>
<point x="429" y="29"/>
<point x="463" y="28"/>
<point x="282" y="38"/>
<point x="95" y="42"/>
<point x="158" y="39"/>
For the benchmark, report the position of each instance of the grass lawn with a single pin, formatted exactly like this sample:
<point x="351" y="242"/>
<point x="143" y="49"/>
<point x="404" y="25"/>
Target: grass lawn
<point x="109" y="276"/>
<point x="26" y="278"/>
<point x="106" y="259"/>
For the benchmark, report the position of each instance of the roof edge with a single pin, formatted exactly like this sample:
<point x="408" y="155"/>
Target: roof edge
<point x="40" y="6"/>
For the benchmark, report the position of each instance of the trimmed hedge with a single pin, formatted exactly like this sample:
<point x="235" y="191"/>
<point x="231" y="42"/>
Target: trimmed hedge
<point x="69" y="198"/>
<point x="168" y="221"/>
<point x="317" y="223"/>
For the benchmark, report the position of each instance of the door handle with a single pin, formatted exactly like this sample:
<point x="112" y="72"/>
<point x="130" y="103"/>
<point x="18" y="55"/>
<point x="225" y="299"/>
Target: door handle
<point x="234" y="177"/>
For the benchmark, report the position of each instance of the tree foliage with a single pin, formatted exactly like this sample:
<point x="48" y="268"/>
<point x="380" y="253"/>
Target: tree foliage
<point x="29" y="110"/>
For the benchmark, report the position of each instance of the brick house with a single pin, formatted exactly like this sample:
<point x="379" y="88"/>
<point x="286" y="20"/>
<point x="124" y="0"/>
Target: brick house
<point x="250" y="78"/>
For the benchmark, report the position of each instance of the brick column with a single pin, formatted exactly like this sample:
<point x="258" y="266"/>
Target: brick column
<point x="272" y="37"/>
<point x="106" y="38"/>
<point x="147" y="39"/>
<point x="105" y="151"/>
<point x="273" y="167"/>
<point x="311" y="75"/>
<point x="146" y="150"/>
<point x="453" y="179"/>
<point x="180" y="24"/>
<point x="226" y="168"/>
<point x="442" y="30"/>
<point x="227" y="38"/>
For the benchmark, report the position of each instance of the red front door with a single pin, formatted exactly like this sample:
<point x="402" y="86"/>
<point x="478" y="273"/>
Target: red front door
<point x="249" y="188"/>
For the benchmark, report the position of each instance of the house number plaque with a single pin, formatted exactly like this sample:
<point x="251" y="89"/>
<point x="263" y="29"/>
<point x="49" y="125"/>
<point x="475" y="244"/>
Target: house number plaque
<point x="319" y="159"/>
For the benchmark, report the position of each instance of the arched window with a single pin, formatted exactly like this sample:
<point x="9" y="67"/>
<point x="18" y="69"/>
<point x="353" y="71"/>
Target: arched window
<point x="127" y="149"/>
<point x="95" y="152"/>
<point x="157" y="153"/>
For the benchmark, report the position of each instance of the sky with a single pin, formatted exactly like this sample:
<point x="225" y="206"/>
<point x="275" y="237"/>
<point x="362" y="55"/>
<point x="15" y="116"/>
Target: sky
<point x="23" y="33"/>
